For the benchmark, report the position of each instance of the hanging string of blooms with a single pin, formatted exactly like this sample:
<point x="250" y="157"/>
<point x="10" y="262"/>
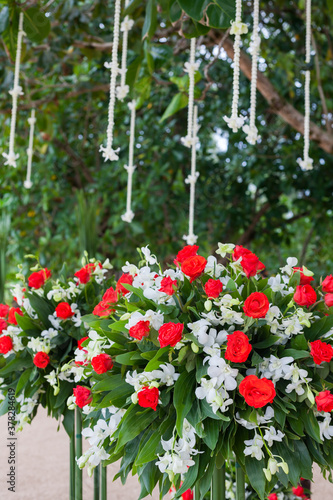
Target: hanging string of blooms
<point x="16" y="91"/>
<point x="251" y="129"/>
<point x="126" y="26"/>
<point x="129" y="214"/>
<point x="307" y="162"/>
<point x="30" y="150"/>
<point x="190" y="67"/>
<point x="107" y="151"/>
<point x="238" y="28"/>
<point x="191" y="238"/>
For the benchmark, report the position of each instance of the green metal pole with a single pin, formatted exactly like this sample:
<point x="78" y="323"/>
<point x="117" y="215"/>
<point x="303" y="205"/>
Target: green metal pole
<point x="96" y="482"/>
<point x="240" y="483"/>
<point x="78" y="473"/>
<point x="72" y="466"/>
<point x="217" y="491"/>
<point x="103" y="483"/>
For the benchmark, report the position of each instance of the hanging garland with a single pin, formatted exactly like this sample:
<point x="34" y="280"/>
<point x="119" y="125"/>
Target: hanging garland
<point x="30" y="151"/>
<point x="307" y="162"/>
<point x="126" y="26"/>
<point x="191" y="238"/>
<point x="238" y="28"/>
<point x="251" y="129"/>
<point x="190" y="67"/>
<point x="107" y="151"/>
<point x="16" y="91"/>
<point x="129" y="214"/>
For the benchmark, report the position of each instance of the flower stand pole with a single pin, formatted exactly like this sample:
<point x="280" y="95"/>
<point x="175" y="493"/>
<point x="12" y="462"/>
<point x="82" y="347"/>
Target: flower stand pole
<point x="240" y="483"/>
<point x="78" y="471"/>
<point x="103" y="483"/>
<point x="72" y="467"/>
<point x="96" y="482"/>
<point x="217" y="491"/>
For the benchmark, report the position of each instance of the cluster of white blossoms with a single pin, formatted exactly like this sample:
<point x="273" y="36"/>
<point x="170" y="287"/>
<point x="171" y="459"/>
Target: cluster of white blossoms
<point x="178" y="452"/>
<point x="325" y="427"/>
<point x="27" y="406"/>
<point x="285" y="368"/>
<point x="165" y="375"/>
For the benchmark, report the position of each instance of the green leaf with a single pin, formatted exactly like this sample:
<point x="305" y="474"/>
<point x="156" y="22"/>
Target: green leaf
<point x="255" y="473"/>
<point x="24" y="378"/>
<point x="16" y="364"/>
<point x="4" y="406"/>
<point x="212" y="430"/>
<point x="150" y="22"/>
<point x="68" y="422"/>
<point x="179" y="101"/>
<point x="271" y="340"/>
<point x="110" y="383"/>
<point x="42" y="308"/>
<point x="319" y="328"/>
<point x="148" y="452"/>
<point x="183" y="397"/>
<point x="4" y="19"/>
<point x="36" y="25"/>
<point x="117" y="396"/>
<point x="134" y="422"/>
<point x="296" y="354"/>
<point x="155" y="362"/>
<point x="311" y="424"/>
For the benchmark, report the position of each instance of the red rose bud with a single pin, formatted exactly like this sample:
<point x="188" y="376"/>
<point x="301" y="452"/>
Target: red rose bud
<point x="167" y="285"/>
<point x="3" y="325"/>
<point x="213" y="288"/>
<point x="329" y="299"/>
<point x="140" y="330"/>
<point x="193" y="267"/>
<point x="272" y="496"/>
<point x="256" y="305"/>
<point x="85" y="273"/>
<point x="82" y="396"/>
<point x="4" y="310"/>
<point x="102" y="363"/>
<point x="41" y="359"/>
<point x="148" y="398"/>
<point x="103" y="309"/>
<point x="324" y="401"/>
<point x="298" y="491"/>
<point x="305" y="295"/>
<point x="185" y="253"/>
<point x="170" y="334"/>
<point x="305" y="280"/>
<point x="320" y="351"/>
<point x="257" y="392"/>
<point x="80" y="342"/>
<point x="327" y="284"/>
<point x="64" y="310"/>
<point x="238" y="347"/>
<point x="37" y="280"/>
<point x="6" y="344"/>
<point x="11" y="315"/>
<point x="250" y="262"/>
<point x="125" y="279"/>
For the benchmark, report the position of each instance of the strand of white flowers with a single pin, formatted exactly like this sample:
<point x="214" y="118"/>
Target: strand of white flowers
<point x="307" y="162"/>
<point x="11" y="157"/>
<point x="108" y="152"/>
<point x="191" y="238"/>
<point x="129" y="215"/>
<point x="190" y="68"/>
<point x="30" y="150"/>
<point x="126" y="26"/>
<point x="251" y="130"/>
<point x="237" y="28"/>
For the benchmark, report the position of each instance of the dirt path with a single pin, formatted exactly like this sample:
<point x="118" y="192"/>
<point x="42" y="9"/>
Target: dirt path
<point x="42" y="467"/>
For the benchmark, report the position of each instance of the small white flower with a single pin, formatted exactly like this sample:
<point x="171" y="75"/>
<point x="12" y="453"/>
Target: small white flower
<point x="272" y="435"/>
<point x="253" y="447"/>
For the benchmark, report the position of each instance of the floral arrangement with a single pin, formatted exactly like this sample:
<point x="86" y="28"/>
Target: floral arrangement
<point x="206" y="361"/>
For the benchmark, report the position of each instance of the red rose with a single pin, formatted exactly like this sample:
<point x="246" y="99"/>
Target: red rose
<point x="185" y="253"/>
<point x="82" y="396"/>
<point x="3" y="325"/>
<point x="305" y="280"/>
<point x="11" y="315"/>
<point x="125" y="279"/>
<point x="324" y="401"/>
<point x="257" y="392"/>
<point x="4" y="310"/>
<point x="41" y="359"/>
<point x="103" y="309"/>
<point x="148" y="398"/>
<point x="6" y="344"/>
<point x="320" y="351"/>
<point x="329" y="299"/>
<point x="256" y="305"/>
<point x="85" y="272"/>
<point x="80" y="342"/>
<point x="250" y="262"/>
<point x="170" y="334"/>
<point x="140" y="330"/>
<point x="194" y="266"/>
<point x="327" y="284"/>
<point x="298" y="491"/>
<point x="213" y="288"/>
<point x="188" y="495"/>
<point x="64" y="310"/>
<point x="110" y="296"/>
<point x="37" y="280"/>
<point x="167" y="285"/>
<point x="305" y="295"/>
<point x="272" y="496"/>
<point x="238" y="347"/>
<point x="102" y="363"/>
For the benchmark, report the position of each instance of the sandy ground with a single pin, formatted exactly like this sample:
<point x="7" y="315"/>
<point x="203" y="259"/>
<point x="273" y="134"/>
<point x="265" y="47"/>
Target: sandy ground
<point x="42" y="467"/>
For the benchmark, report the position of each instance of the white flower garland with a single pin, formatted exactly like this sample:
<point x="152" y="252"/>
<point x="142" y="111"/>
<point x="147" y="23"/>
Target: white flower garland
<point x="190" y="67"/>
<point x="108" y="152"/>
<point x="30" y="151"/>
<point x="126" y="26"/>
<point x="129" y="214"/>
<point x="16" y="91"/>
<point x="191" y="238"/>
<point x="251" y="130"/>
<point x="307" y="162"/>
<point x="238" y="28"/>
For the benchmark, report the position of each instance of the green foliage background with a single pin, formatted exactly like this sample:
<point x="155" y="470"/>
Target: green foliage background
<point x="255" y="195"/>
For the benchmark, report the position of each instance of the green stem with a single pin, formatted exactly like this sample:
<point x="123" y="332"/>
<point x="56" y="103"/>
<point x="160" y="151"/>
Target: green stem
<point x="240" y="483"/>
<point x="103" y="483"/>
<point x="72" y="466"/>
<point x="78" y="473"/>
<point x="96" y="482"/>
<point x="217" y="491"/>
<point x="196" y="495"/>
